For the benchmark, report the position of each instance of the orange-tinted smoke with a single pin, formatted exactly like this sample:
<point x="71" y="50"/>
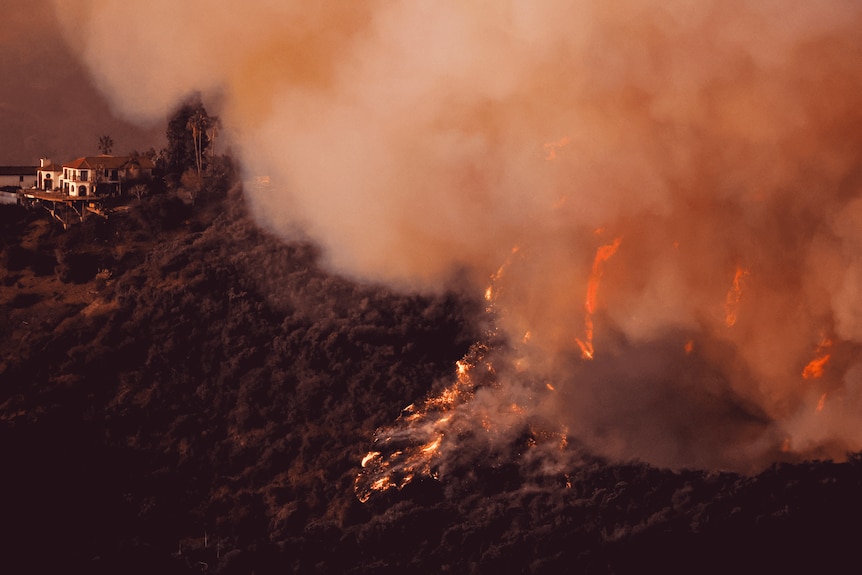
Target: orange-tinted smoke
<point x="409" y="140"/>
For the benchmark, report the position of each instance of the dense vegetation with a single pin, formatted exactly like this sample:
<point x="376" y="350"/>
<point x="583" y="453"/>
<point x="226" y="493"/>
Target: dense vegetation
<point x="181" y="392"/>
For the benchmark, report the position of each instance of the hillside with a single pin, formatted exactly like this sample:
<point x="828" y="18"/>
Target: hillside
<point x="182" y="392"/>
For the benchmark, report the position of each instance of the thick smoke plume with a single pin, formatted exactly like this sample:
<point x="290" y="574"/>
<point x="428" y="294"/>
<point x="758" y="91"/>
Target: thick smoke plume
<point x="422" y="143"/>
<point x="47" y="107"/>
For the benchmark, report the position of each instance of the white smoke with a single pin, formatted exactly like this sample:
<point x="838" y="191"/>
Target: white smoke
<point x="419" y="140"/>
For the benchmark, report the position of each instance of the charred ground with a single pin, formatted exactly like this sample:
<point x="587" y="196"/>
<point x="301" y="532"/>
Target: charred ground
<point x="181" y="392"/>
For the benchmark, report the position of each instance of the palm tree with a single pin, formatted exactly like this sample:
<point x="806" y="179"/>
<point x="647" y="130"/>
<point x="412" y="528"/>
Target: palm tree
<point x="106" y="144"/>
<point x="198" y="123"/>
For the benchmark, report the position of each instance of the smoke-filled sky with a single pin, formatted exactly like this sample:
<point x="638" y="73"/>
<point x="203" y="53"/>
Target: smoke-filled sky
<point x="715" y="144"/>
<point x="49" y="107"/>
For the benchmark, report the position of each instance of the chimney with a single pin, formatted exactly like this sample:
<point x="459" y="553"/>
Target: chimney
<point x="44" y="162"/>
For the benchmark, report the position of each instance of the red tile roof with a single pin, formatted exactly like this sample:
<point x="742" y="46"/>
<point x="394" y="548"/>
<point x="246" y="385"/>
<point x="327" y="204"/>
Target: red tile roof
<point x="109" y="163"/>
<point x="98" y="163"/>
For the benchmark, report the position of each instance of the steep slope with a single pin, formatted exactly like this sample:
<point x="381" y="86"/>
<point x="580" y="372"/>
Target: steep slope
<point x="182" y="392"/>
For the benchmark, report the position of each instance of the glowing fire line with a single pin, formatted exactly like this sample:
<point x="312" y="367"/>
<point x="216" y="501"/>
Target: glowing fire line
<point x="603" y="254"/>
<point x="417" y="443"/>
<point x="419" y="432"/>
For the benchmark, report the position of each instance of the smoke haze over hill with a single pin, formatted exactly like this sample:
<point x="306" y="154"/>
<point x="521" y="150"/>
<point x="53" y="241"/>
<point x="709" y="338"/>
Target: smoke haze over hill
<point x="714" y="145"/>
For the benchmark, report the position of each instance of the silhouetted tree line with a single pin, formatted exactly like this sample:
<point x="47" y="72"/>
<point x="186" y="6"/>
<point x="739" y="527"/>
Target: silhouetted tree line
<point x="182" y="392"/>
<point x="185" y="146"/>
<point x="189" y="160"/>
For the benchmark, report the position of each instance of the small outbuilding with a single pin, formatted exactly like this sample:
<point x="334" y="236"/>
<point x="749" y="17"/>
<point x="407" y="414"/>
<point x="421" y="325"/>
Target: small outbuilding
<point x="17" y="176"/>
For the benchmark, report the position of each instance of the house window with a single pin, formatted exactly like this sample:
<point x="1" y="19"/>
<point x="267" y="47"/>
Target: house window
<point x="114" y="175"/>
<point x="84" y="175"/>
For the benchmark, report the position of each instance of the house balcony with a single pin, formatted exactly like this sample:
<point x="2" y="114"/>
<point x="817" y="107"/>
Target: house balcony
<point x="77" y="178"/>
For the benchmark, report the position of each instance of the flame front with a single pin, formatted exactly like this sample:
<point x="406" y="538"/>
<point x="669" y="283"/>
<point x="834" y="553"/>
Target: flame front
<point x="603" y="254"/>
<point x="415" y="443"/>
<point x="412" y="444"/>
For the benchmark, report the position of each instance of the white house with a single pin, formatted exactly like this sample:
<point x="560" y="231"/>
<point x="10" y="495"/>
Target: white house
<point x="48" y="175"/>
<point x="92" y="175"/>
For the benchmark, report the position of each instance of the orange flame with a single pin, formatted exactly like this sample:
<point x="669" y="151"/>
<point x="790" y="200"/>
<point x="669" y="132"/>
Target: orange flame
<point x="603" y="254"/>
<point x="432" y="446"/>
<point x="371" y="455"/>
<point x="422" y="428"/>
<point x="491" y="291"/>
<point x="816" y="366"/>
<point x="734" y="296"/>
